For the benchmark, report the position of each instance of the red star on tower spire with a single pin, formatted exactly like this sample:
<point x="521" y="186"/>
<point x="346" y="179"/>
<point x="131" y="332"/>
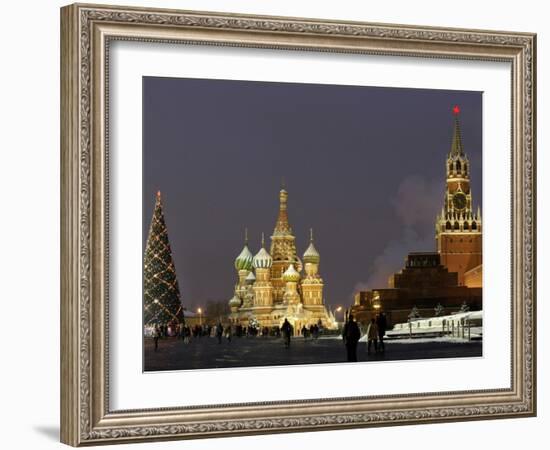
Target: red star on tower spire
<point x="456" y="110"/>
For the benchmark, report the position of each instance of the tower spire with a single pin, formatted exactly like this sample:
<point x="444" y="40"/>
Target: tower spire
<point x="245" y="236"/>
<point x="458" y="255"/>
<point x="311" y="235"/>
<point x="263" y="240"/>
<point x="456" y="145"/>
<point x="282" y="227"/>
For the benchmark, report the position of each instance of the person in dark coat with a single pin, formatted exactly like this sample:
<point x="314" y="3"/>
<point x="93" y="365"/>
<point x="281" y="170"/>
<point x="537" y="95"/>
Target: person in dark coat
<point x="351" y="335"/>
<point x="382" y="325"/>
<point x="156" y="337"/>
<point x="286" y="329"/>
<point x="219" y="332"/>
<point x="186" y="334"/>
<point x="372" y="336"/>
<point x="228" y="333"/>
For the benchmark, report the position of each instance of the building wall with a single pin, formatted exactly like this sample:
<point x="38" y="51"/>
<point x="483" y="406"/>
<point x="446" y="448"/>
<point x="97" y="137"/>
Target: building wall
<point x="460" y="252"/>
<point x="474" y="277"/>
<point x="312" y="294"/>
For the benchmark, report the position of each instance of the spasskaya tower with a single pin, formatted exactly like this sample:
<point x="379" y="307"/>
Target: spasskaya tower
<point x="458" y="228"/>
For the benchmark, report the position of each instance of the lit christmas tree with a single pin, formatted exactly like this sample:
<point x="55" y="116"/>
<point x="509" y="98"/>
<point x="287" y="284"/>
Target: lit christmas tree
<point x="161" y="294"/>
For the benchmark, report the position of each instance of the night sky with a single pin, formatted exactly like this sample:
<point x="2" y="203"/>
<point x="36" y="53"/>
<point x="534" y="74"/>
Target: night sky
<point x="363" y="166"/>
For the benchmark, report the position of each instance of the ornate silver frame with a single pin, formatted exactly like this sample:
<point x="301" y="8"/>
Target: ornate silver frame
<point x="86" y="31"/>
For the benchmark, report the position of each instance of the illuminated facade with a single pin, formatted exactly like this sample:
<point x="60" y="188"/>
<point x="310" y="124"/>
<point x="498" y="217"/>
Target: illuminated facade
<point x="272" y="285"/>
<point x="458" y="227"/>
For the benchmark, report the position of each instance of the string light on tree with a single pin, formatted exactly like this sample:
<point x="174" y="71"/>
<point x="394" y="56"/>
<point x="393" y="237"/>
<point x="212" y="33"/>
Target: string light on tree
<point x="161" y="294"/>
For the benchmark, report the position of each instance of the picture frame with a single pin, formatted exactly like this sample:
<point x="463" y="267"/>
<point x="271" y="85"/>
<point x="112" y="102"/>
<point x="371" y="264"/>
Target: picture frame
<point x="87" y="31"/>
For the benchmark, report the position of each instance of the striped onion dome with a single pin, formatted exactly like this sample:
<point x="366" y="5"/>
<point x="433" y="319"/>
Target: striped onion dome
<point x="262" y="260"/>
<point x="311" y="255"/>
<point x="250" y="278"/>
<point x="291" y="274"/>
<point x="235" y="302"/>
<point x="244" y="260"/>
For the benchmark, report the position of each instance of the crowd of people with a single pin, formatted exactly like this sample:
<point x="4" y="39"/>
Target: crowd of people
<point x="219" y="331"/>
<point x="351" y="333"/>
<point x="186" y="332"/>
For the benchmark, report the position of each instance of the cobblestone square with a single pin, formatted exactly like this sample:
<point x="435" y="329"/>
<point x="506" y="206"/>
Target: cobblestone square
<point x="207" y="353"/>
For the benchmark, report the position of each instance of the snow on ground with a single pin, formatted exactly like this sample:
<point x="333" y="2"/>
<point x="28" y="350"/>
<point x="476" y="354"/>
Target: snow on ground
<point x="454" y="340"/>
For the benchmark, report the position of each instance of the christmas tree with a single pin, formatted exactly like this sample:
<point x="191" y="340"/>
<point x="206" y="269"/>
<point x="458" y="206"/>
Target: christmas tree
<point x="161" y="294"/>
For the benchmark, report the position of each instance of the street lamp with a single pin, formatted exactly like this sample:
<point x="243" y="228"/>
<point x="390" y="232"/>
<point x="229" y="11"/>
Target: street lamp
<point x="338" y="309"/>
<point x="199" y="310"/>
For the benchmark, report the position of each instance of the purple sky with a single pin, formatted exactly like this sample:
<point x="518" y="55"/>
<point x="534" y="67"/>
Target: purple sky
<point x="363" y="166"/>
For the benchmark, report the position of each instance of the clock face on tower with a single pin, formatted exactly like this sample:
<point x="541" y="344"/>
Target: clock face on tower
<point x="459" y="201"/>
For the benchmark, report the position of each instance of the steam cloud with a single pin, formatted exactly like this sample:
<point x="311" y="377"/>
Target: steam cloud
<point x="416" y="204"/>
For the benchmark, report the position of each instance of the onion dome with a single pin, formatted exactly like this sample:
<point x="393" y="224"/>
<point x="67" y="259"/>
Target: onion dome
<point x="291" y="274"/>
<point x="263" y="259"/>
<point x="235" y="302"/>
<point x="311" y="255"/>
<point x="244" y="260"/>
<point x="250" y="278"/>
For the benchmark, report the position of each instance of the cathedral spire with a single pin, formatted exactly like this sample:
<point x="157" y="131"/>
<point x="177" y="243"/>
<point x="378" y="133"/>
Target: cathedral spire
<point x="457" y="149"/>
<point x="282" y="226"/>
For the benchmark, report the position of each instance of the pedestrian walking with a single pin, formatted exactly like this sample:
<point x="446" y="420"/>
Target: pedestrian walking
<point x="316" y="331"/>
<point x="286" y="330"/>
<point x="382" y="325"/>
<point x="372" y="336"/>
<point x="156" y="337"/>
<point x="219" y="332"/>
<point x="351" y="335"/>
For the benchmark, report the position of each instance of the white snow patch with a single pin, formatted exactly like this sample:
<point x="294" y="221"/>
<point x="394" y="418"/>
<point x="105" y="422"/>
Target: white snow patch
<point x="454" y="340"/>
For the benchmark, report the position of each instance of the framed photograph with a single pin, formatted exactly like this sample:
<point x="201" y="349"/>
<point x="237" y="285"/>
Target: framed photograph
<point x="276" y="225"/>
